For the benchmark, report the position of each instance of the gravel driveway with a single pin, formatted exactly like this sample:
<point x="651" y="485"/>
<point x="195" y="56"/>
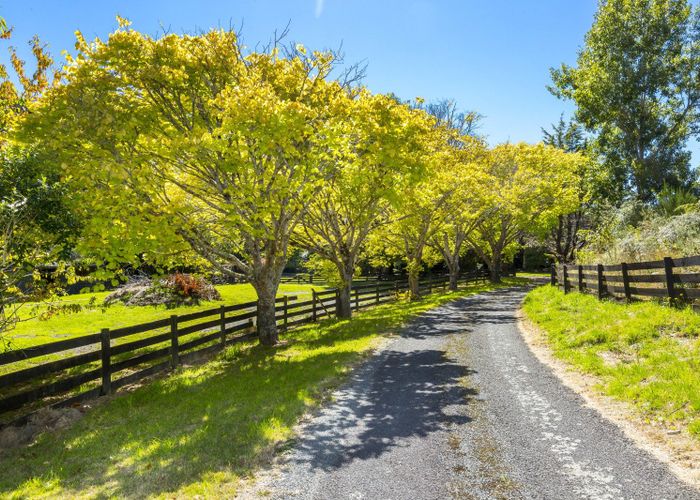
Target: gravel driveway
<point x="458" y="407"/>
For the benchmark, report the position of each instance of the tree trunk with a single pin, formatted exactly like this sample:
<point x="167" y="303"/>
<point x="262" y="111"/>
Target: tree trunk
<point x="267" y="324"/>
<point x="495" y="269"/>
<point x="346" y="270"/>
<point x="454" y="274"/>
<point x="344" y="305"/>
<point x="413" y="283"/>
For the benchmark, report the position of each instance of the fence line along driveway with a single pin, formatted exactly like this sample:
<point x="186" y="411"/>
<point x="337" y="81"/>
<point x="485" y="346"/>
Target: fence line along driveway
<point x="668" y="278"/>
<point x="458" y="407"/>
<point x="69" y="371"/>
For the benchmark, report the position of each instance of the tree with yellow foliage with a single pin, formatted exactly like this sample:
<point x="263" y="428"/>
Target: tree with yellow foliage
<point x="461" y="211"/>
<point x="384" y="160"/>
<point x="423" y="208"/>
<point x="522" y="188"/>
<point x="185" y="147"/>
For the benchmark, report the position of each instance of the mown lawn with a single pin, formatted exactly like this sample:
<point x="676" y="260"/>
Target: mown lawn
<point x="644" y="353"/>
<point x="34" y="331"/>
<point x="204" y="428"/>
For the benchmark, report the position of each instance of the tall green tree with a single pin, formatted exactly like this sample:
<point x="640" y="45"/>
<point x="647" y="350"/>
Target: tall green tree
<point x="564" y="239"/>
<point x="636" y="85"/>
<point x="566" y="135"/>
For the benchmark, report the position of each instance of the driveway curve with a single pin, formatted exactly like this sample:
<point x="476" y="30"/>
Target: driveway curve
<point x="458" y="407"/>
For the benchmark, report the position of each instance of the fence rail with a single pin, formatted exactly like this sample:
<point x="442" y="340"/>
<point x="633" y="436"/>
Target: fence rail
<point x="301" y="278"/>
<point x="311" y="278"/>
<point x="675" y="279"/>
<point x="68" y="371"/>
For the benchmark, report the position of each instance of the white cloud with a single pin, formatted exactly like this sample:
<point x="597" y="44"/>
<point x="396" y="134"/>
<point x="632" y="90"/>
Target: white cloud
<point x="319" y="8"/>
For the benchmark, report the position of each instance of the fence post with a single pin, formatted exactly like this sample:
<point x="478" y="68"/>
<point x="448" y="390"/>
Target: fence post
<point x="565" y="278"/>
<point x="286" y="311"/>
<point x="357" y="299"/>
<point x="376" y="293"/>
<point x="105" y="355"/>
<point x="313" y="305"/>
<point x="222" y="324"/>
<point x="626" y="281"/>
<point x="430" y="284"/>
<point x="668" y="269"/>
<point x="553" y="275"/>
<point x="174" y="346"/>
<point x="581" y="284"/>
<point x="601" y="294"/>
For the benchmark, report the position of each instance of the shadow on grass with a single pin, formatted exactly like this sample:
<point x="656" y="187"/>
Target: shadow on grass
<point x="206" y="424"/>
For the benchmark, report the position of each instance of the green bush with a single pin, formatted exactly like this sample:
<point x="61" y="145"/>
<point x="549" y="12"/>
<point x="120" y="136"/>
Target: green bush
<point x="535" y="259"/>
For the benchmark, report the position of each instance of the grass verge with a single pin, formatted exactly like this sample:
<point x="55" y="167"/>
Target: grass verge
<point x="643" y="353"/>
<point x="204" y="428"/>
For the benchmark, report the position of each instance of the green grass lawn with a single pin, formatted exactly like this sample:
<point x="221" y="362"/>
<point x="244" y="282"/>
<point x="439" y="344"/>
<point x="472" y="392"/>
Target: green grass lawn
<point x="34" y="331"/>
<point x="533" y="274"/>
<point x="202" y="429"/>
<point x="644" y="353"/>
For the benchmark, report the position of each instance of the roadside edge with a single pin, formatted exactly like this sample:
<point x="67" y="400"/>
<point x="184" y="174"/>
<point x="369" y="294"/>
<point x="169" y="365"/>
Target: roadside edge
<point x="679" y="452"/>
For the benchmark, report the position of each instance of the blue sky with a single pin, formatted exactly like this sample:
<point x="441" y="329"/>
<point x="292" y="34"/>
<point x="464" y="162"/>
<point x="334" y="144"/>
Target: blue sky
<point x="492" y="56"/>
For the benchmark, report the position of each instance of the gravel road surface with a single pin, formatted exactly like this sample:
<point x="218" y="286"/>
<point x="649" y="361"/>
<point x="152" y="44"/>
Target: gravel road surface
<point x="458" y="407"/>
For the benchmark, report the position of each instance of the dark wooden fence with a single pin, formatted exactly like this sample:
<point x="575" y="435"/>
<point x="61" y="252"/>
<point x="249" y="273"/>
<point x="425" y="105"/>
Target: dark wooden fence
<point x="673" y="279"/>
<point x="311" y="278"/>
<point x="68" y="371"/>
<point x="302" y="278"/>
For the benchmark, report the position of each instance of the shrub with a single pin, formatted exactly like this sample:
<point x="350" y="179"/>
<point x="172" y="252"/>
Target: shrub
<point x="632" y="234"/>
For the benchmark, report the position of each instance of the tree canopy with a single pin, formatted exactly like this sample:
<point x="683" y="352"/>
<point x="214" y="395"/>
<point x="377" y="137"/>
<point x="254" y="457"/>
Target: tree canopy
<point x="190" y="146"/>
<point x="386" y="156"/>
<point x="189" y="150"/>
<point x="524" y="189"/>
<point x="636" y="87"/>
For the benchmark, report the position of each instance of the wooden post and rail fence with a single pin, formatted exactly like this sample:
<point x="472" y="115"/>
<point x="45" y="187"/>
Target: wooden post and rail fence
<point x="65" y="372"/>
<point x="675" y="279"/>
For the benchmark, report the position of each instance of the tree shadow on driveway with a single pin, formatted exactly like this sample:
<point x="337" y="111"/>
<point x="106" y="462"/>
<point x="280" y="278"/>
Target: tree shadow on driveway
<point x="412" y="389"/>
<point x="463" y="314"/>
